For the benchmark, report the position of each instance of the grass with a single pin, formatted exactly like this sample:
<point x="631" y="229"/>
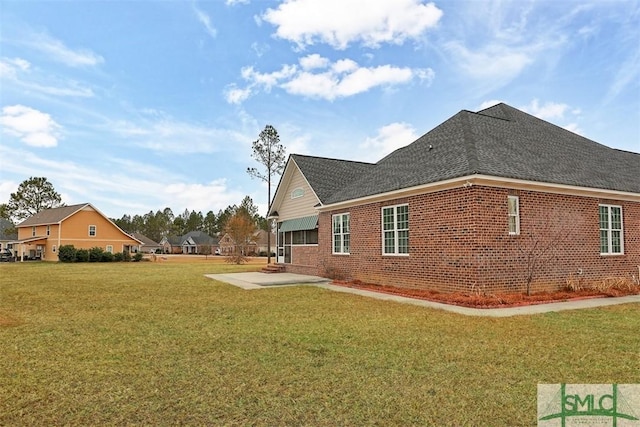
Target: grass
<point x="160" y="344"/>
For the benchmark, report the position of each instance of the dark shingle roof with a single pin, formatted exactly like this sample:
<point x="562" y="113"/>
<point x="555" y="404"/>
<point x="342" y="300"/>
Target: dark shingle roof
<point x="326" y="175"/>
<point x="144" y="239"/>
<point x="500" y="141"/>
<point x="200" y="238"/>
<point x="7" y="230"/>
<point x="51" y="216"/>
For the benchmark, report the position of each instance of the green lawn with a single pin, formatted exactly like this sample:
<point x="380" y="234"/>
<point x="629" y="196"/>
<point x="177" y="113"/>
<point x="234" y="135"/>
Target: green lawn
<point x="160" y="344"/>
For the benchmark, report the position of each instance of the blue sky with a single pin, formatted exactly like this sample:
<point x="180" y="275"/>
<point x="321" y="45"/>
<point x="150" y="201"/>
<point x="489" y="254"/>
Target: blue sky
<point x="138" y="105"/>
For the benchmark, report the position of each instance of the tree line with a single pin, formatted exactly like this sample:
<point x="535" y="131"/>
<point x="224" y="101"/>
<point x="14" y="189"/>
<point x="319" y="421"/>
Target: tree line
<point x="164" y="223"/>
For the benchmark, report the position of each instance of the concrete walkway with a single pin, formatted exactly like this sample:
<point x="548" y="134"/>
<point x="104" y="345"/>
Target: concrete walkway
<point x="257" y="280"/>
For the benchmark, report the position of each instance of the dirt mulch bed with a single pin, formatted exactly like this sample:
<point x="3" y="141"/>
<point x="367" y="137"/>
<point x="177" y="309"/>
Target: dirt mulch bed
<point x="497" y="300"/>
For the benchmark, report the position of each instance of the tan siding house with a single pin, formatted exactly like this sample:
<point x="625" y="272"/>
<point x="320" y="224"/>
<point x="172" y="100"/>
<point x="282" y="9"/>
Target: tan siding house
<point x="82" y="226"/>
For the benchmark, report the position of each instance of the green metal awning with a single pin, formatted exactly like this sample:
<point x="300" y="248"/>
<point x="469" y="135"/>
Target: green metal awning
<point x="305" y="223"/>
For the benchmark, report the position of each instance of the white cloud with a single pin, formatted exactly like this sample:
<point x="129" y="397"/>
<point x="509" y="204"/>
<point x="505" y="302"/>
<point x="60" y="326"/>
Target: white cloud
<point x="497" y="63"/>
<point x="20" y="72"/>
<point x="165" y="134"/>
<point x="554" y="112"/>
<point x="33" y="127"/>
<point x="628" y="74"/>
<point x="10" y="67"/>
<point x="548" y="111"/>
<point x="233" y="95"/>
<point x="340" y="23"/>
<point x="200" y="197"/>
<point x="573" y="127"/>
<point x="6" y="188"/>
<point x="205" y="20"/>
<point x="112" y="191"/>
<point x="489" y="103"/>
<point x="310" y="62"/>
<point x="389" y="138"/>
<point x="57" y="51"/>
<point x="317" y="77"/>
<point x="260" y="49"/>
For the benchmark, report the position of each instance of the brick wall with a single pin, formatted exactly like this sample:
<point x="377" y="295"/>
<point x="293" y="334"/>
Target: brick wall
<point x="304" y="260"/>
<point x="459" y="240"/>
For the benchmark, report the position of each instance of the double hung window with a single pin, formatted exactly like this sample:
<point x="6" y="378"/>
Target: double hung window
<point x="611" y="236"/>
<point x="395" y="230"/>
<point x="341" y="234"/>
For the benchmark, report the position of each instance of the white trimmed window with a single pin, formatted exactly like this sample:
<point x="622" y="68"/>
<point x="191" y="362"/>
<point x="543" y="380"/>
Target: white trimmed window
<point x="514" y="214"/>
<point x="53" y="249"/>
<point x="341" y="234"/>
<point x="92" y="230"/>
<point x="48" y="230"/>
<point x="395" y="230"/>
<point x="611" y="236"/>
<point x="110" y="248"/>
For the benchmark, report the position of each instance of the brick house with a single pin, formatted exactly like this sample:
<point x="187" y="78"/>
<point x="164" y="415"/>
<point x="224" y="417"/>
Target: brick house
<point x="82" y="226"/>
<point x="486" y="200"/>
<point x="194" y="242"/>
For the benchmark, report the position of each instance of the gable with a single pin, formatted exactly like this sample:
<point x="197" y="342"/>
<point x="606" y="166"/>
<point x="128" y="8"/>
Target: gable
<point x="297" y="198"/>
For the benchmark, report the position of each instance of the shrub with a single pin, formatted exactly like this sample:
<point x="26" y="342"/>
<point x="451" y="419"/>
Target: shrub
<point x="118" y="256"/>
<point x="67" y="253"/>
<point x="82" y="255"/>
<point x="126" y="256"/>
<point x="137" y="257"/>
<point x="106" y="257"/>
<point x="95" y="254"/>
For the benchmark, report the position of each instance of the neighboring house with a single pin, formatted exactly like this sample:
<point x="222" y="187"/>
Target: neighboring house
<point x="198" y="242"/>
<point x="194" y="242"/>
<point x="8" y="234"/>
<point x="479" y="203"/>
<point x="257" y="244"/>
<point x="171" y="245"/>
<point x="82" y="226"/>
<point x="260" y="239"/>
<point x="148" y="245"/>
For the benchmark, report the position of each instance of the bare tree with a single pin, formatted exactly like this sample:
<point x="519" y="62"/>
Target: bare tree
<point x="268" y="151"/>
<point x="240" y="228"/>
<point x="541" y="246"/>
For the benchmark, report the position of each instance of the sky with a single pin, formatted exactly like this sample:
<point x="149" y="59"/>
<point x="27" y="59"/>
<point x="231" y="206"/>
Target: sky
<point x="134" y="106"/>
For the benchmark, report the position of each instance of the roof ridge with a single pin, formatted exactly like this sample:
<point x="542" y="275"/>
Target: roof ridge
<point x="331" y="158"/>
<point x="470" y="146"/>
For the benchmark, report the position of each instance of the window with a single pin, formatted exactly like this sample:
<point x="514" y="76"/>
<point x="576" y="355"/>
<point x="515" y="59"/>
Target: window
<point x="341" y="234"/>
<point x="514" y="214"/>
<point x="395" y="230"/>
<point x="110" y="248"/>
<point x="48" y="230"/>
<point x="53" y="249"/>
<point x="33" y="232"/>
<point x="92" y="230"/>
<point x="298" y="192"/>
<point x="611" y="241"/>
<point x="305" y="237"/>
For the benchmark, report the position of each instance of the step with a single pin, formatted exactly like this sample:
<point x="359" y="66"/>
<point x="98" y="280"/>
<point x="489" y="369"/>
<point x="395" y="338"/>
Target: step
<point x="273" y="268"/>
